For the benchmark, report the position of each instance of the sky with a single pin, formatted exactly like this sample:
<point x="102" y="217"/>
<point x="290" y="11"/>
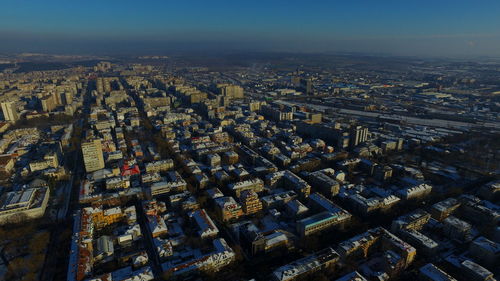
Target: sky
<point x="392" y="27"/>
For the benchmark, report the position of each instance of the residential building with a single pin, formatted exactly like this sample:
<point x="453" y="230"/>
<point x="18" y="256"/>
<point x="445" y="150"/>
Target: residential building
<point x="9" y="110"/>
<point x="92" y="155"/>
<point x="250" y="202"/>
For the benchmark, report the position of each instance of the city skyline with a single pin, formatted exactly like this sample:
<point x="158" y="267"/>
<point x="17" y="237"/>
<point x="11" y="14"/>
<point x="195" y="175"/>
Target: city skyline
<point x="249" y="140"/>
<point x="412" y="28"/>
<point x="289" y="168"/>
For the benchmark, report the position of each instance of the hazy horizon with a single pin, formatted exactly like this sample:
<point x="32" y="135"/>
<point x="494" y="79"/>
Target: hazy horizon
<point x="407" y="28"/>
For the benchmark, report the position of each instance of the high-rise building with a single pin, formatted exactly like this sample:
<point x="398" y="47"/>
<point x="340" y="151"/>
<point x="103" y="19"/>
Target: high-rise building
<point x="56" y="97"/>
<point x="302" y="84"/>
<point x="359" y="134"/>
<point x="229" y="90"/>
<point x="66" y="98"/>
<point x="92" y="155"/>
<point x="306" y="85"/>
<point x="48" y="103"/>
<point x="9" y="111"/>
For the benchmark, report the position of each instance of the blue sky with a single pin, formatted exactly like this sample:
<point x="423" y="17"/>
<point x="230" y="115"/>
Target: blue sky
<point x="425" y="27"/>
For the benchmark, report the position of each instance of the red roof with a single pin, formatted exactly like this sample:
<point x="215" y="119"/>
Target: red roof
<point x="130" y="170"/>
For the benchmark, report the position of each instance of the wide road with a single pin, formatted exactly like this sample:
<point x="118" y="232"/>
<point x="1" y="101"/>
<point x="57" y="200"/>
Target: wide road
<point x="54" y="248"/>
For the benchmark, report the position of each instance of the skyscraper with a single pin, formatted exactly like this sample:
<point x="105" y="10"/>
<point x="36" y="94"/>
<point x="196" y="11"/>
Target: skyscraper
<point x="92" y="155"/>
<point x="9" y="111"/>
